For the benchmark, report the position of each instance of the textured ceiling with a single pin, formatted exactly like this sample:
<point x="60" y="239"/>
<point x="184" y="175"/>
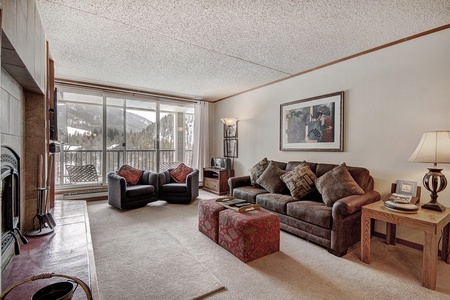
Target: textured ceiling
<point x="213" y="49"/>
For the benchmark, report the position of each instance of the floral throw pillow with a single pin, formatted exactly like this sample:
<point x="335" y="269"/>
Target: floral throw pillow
<point x="300" y="181"/>
<point x="257" y="170"/>
<point x="180" y="173"/>
<point x="130" y="174"/>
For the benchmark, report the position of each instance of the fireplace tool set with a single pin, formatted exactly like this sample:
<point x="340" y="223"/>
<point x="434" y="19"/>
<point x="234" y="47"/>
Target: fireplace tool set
<point x="43" y="220"/>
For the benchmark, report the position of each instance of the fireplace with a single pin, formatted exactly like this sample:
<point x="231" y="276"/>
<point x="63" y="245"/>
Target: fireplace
<point x="10" y="203"/>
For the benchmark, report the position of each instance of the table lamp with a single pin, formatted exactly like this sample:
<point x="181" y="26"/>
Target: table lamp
<point x="434" y="147"/>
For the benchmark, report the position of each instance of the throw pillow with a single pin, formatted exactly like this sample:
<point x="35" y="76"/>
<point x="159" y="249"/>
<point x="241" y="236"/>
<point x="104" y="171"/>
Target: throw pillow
<point x="180" y="173"/>
<point x="130" y="174"/>
<point x="270" y="179"/>
<point x="257" y="170"/>
<point x="300" y="181"/>
<point x="336" y="184"/>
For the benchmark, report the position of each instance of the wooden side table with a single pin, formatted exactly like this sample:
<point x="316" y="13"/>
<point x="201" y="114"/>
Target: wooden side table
<point x="391" y="229"/>
<point x="216" y="180"/>
<point x="429" y="221"/>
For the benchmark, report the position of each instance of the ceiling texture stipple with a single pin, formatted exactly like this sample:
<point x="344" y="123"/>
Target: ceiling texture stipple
<point x="210" y="50"/>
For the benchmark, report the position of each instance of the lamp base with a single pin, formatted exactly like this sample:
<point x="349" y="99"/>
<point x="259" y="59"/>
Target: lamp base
<point x="434" y="206"/>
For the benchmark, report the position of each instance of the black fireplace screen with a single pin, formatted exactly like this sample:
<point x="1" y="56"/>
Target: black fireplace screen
<point x="10" y="195"/>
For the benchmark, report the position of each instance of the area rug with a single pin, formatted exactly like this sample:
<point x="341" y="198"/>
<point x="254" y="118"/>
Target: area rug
<point x="139" y="256"/>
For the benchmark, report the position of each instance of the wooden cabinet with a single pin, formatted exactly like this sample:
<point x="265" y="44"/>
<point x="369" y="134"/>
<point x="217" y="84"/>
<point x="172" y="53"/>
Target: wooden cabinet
<point x="216" y="180"/>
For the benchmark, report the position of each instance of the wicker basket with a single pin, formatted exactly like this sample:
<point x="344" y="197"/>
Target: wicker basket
<point x="85" y="287"/>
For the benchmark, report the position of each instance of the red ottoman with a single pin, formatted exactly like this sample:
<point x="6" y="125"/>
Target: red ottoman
<point x="208" y="218"/>
<point x="249" y="235"/>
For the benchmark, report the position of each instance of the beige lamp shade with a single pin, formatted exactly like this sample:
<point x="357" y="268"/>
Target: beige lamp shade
<point x="434" y="147"/>
<point x="229" y="121"/>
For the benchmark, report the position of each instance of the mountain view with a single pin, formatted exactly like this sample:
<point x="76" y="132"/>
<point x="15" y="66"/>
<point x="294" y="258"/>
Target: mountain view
<point x="80" y="126"/>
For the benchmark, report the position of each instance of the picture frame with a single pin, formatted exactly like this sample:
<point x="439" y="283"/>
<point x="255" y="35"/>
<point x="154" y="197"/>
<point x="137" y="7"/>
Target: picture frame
<point x="313" y="124"/>
<point x="230" y="148"/>
<point x="230" y="131"/>
<point x="405" y="187"/>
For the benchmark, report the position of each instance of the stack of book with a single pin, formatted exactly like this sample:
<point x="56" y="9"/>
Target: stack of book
<point x="400" y="203"/>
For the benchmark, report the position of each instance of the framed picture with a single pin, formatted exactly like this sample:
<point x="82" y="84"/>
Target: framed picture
<point x="230" y="148"/>
<point x="406" y="188"/>
<point x="230" y="131"/>
<point x="313" y="124"/>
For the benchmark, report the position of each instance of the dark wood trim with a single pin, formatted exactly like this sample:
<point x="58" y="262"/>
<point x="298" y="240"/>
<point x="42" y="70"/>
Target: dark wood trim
<point x="75" y="84"/>
<point x="343" y="59"/>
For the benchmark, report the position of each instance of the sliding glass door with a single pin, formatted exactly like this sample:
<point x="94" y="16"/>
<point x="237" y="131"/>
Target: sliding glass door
<point x="147" y="134"/>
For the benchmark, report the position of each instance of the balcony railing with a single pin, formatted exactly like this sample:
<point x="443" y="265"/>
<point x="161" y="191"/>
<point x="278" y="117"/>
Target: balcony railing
<point x="140" y="159"/>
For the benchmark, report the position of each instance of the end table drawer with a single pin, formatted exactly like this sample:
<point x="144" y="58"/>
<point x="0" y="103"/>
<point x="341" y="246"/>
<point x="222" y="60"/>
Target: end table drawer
<point x="211" y="184"/>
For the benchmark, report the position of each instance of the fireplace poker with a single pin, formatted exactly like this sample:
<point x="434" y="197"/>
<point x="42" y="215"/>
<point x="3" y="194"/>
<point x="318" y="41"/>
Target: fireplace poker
<point x="44" y="224"/>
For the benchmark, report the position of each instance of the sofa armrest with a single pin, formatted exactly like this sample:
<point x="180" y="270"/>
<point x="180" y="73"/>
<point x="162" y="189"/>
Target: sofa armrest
<point x="352" y="204"/>
<point x="235" y="182"/>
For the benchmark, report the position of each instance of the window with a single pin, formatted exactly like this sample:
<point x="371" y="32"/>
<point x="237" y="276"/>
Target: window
<point x="108" y="131"/>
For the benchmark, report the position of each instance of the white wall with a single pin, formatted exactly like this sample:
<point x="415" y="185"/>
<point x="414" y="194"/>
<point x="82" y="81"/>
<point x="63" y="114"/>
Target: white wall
<point x="391" y="96"/>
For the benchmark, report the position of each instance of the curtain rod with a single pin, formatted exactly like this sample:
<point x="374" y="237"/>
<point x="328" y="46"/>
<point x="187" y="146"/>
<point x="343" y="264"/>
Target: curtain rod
<point x="120" y="91"/>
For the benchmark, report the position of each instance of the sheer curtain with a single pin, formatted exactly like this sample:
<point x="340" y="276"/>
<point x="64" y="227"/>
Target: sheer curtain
<point x="200" y="157"/>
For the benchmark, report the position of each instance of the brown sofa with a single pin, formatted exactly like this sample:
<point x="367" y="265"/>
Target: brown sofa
<point x="336" y="226"/>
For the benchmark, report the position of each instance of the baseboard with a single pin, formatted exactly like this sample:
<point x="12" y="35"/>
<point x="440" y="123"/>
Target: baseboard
<point x="403" y="242"/>
<point x="87" y="195"/>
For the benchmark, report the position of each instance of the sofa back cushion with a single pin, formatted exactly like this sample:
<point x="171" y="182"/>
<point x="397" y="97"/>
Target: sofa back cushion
<point x="279" y="164"/>
<point x="292" y="164"/>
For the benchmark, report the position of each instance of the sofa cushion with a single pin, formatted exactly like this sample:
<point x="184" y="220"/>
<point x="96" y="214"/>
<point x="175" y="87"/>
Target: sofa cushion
<point x="313" y="212"/>
<point x="139" y="190"/>
<point x="274" y="202"/>
<point x="257" y="170"/>
<point x="279" y="164"/>
<point x="180" y="173"/>
<point x="270" y="179"/>
<point x="248" y="193"/>
<point x="174" y="187"/>
<point x="292" y="164"/>
<point x="336" y="184"/>
<point x="130" y="174"/>
<point x="299" y="181"/>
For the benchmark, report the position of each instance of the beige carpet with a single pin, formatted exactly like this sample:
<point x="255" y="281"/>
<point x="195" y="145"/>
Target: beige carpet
<point x="137" y="253"/>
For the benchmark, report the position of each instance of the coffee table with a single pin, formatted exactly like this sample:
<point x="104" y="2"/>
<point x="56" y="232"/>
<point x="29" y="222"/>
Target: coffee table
<point x="429" y="221"/>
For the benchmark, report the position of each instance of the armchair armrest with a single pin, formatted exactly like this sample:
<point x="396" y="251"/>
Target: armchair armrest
<point x="164" y="177"/>
<point x="151" y="178"/>
<point x="238" y="181"/>
<point x="117" y="187"/>
<point x="192" y="181"/>
<point x="352" y="204"/>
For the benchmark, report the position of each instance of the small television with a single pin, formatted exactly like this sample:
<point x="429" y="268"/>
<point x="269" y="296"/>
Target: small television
<point x="221" y="163"/>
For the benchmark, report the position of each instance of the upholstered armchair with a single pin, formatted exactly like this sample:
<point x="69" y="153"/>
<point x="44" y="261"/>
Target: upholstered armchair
<point x="178" y="192"/>
<point x="124" y="194"/>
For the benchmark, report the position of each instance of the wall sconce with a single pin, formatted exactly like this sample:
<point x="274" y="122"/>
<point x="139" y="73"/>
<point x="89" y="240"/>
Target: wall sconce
<point x="434" y="147"/>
